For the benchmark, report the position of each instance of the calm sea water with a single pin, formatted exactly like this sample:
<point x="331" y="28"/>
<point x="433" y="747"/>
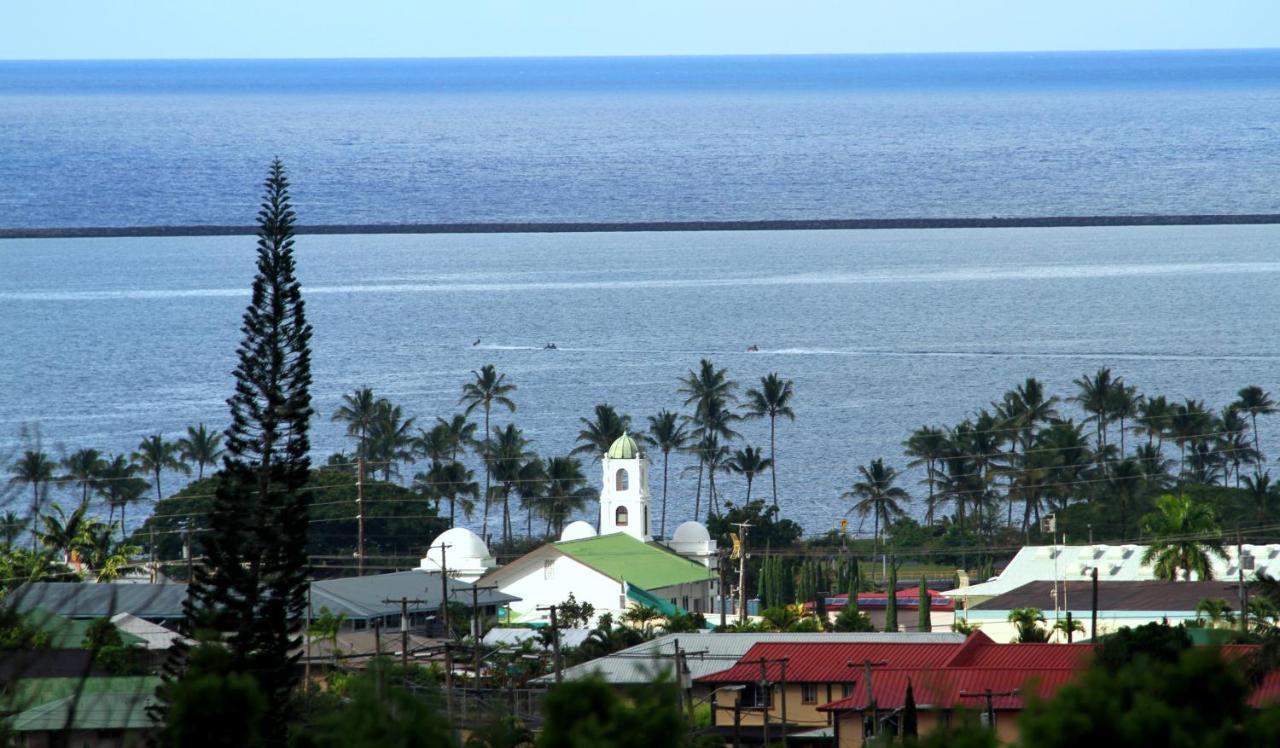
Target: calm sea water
<point x="126" y="144"/>
<point x="106" y="340"/>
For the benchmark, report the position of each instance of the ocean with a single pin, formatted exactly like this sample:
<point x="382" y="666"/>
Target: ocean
<point x="106" y="340"/>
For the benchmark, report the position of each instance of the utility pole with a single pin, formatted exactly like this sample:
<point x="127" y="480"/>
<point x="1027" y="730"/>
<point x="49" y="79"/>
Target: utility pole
<point x="188" y="549"/>
<point x="782" y="689"/>
<point x="555" y="641"/>
<point x="724" y="584"/>
<point x="152" y="547"/>
<point x="444" y="587"/>
<point x="306" y="674"/>
<point x="870" y="707"/>
<point x="359" y="516"/>
<point x="475" y="626"/>
<point x="1093" y="624"/>
<point x="989" y="695"/>
<point x="765" y="697"/>
<point x="404" y="626"/>
<point x="742" y="573"/>
<point x="1244" y="593"/>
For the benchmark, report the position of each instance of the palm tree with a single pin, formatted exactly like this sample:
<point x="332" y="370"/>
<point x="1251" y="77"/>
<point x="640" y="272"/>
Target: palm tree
<point x="598" y="435"/>
<point x="1262" y="490"/>
<point x="530" y="487"/>
<point x="505" y="454"/>
<point x="1256" y="402"/>
<point x="84" y="467"/>
<point x="667" y="434"/>
<point x="1122" y="405"/>
<point x="566" y="492"/>
<point x="36" y="470"/>
<point x="772" y="401"/>
<point x="1094" y="394"/>
<point x="358" y="410"/>
<point x="1215" y="612"/>
<point x="106" y="558"/>
<point x="714" y="455"/>
<point x="461" y="432"/>
<point x="1027" y="621"/>
<point x="436" y="445"/>
<point x="389" y="440"/>
<point x="10" y="525"/>
<point x="1233" y="444"/>
<point x="1186" y="423"/>
<point x="710" y="391"/>
<point x="748" y="462"/>
<point x="156" y="455"/>
<point x="201" y="447"/>
<point x="1153" y="418"/>
<point x="876" y="495"/>
<point x="66" y="533"/>
<point x="489" y="388"/>
<point x="119" y="485"/>
<point x="1124" y="485"/>
<point x="927" y="446"/>
<point x="450" y="481"/>
<point x="1022" y="411"/>
<point x="642" y="617"/>
<point x="1185" y="533"/>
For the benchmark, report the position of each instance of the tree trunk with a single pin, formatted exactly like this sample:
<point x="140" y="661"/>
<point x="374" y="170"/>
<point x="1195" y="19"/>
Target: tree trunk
<point x="666" y="458"/>
<point x="697" y="496"/>
<point x="484" y="526"/>
<point x="773" y="462"/>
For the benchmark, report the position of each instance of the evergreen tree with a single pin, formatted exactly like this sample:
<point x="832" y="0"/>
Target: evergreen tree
<point x="925" y="607"/>
<point x="251" y="593"/>
<point x="891" y="598"/>
<point x="909" y="716"/>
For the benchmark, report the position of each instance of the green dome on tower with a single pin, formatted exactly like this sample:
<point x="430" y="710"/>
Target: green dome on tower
<point x="623" y="448"/>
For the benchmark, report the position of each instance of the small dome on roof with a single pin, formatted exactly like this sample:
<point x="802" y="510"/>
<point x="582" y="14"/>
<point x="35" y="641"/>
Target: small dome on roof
<point x="463" y="544"/>
<point x="577" y="531"/>
<point x="623" y="448"/>
<point x="691" y="532"/>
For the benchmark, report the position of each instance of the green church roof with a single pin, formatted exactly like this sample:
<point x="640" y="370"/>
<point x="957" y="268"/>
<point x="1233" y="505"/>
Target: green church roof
<point x="622" y="557"/>
<point x="623" y="448"/>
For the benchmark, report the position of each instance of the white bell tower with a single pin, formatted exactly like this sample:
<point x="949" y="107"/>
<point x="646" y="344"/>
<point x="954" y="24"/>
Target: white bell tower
<point x="624" y="498"/>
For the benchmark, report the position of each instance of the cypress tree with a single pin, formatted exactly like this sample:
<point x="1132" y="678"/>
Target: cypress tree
<point x="251" y="593"/>
<point x="909" y="716"/>
<point x="925" y="607"/>
<point x="891" y="598"/>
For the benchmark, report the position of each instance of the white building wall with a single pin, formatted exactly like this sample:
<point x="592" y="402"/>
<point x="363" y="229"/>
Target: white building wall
<point x="995" y="623"/>
<point x="549" y="580"/>
<point x="692" y="596"/>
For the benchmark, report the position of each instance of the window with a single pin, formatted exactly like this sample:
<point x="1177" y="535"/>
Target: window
<point x="548" y="570"/>
<point x="620" y="481"/>
<point x="620" y="516"/>
<point x="846" y="690"/>
<point x="753" y="695"/>
<point x="808" y="694"/>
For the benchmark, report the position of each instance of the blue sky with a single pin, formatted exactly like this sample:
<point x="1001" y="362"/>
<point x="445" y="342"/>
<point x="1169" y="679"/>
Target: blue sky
<point x="131" y="29"/>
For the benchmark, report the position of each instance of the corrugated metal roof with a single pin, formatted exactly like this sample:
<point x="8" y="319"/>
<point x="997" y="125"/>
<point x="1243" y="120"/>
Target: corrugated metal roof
<point x="813" y="662"/>
<point x="153" y="635"/>
<point x="93" y="711"/>
<point x="363" y="597"/>
<point x="710" y="653"/>
<point x="1157" y="596"/>
<point x="101" y="600"/>
<point x="646" y="565"/>
<point x="515" y="637"/>
<point x="948" y="688"/>
<point x="1113" y="562"/>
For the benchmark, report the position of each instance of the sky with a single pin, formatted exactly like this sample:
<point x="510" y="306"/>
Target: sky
<point x="146" y="29"/>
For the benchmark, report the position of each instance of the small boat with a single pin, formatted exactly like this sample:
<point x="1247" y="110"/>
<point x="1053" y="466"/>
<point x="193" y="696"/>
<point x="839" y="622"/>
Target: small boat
<point x="473" y="345"/>
<point x="753" y="348"/>
<point x="550" y="347"/>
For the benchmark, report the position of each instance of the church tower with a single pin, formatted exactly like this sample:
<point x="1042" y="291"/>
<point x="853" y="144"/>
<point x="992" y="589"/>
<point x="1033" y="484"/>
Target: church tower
<point x="624" y="497"/>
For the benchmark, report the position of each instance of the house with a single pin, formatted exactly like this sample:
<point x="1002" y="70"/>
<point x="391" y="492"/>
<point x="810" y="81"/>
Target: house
<point x="375" y="600"/>
<point x="942" y="609"/>
<point x="708" y="653"/>
<point x="109" y="713"/>
<point x="1115" y="563"/>
<point x="157" y="603"/>
<point x="63" y="653"/>
<point x="1120" y="604"/>
<point x="622" y="564"/>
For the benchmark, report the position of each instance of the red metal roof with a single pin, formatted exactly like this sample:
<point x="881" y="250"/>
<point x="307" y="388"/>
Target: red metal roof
<point x="949" y="688"/>
<point x="829" y="663"/>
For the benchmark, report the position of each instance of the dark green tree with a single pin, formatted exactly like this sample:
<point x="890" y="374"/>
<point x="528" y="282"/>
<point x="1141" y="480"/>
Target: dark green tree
<point x="925" y="622"/>
<point x="772" y="401"/>
<point x="252" y="589"/>
<point x="891" y="597"/>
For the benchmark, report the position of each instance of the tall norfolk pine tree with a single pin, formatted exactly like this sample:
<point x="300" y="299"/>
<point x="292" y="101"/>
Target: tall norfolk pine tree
<point x="251" y="592"/>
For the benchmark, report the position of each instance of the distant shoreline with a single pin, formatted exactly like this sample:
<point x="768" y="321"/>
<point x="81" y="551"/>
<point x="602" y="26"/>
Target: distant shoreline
<point x="654" y="226"/>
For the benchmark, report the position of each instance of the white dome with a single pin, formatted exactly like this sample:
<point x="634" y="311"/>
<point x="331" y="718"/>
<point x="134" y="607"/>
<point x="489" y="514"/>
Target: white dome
<point x="691" y="532"/>
<point x="462" y="543"/>
<point x="577" y="531"/>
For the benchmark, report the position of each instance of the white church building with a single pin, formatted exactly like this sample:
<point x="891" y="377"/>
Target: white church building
<point x="612" y="566"/>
